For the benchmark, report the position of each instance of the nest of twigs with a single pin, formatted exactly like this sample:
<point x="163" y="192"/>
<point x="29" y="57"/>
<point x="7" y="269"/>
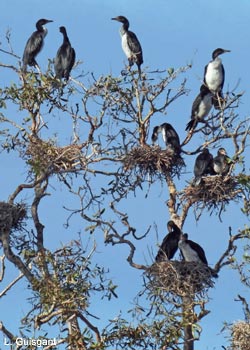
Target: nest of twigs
<point x="180" y="278"/>
<point x="241" y="336"/>
<point x="153" y="161"/>
<point x="213" y="190"/>
<point x="46" y="156"/>
<point x="11" y="216"/>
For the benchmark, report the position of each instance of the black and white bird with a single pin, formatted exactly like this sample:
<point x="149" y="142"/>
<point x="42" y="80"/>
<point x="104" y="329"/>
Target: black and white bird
<point x="203" y="165"/>
<point x="191" y="251"/>
<point x="214" y="76"/>
<point x="130" y="44"/>
<point x="221" y="163"/>
<point x="169" y="135"/>
<point x="200" y="108"/>
<point x="65" y="57"/>
<point x="35" y="44"/>
<point x="169" y="244"/>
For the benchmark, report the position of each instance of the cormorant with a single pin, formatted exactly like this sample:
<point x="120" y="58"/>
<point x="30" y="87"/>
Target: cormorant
<point x="169" y="244"/>
<point x="214" y="76"/>
<point x="193" y="252"/>
<point x="169" y="135"/>
<point x="65" y="57"/>
<point x="190" y="250"/>
<point x="130" y="44"/>
<point x="201" y="107"/>
<point x="203" y="165"/>
<point x="221" y="163"/>
<point x="35" y="44"/>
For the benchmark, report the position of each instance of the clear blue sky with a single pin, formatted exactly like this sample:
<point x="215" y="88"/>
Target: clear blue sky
<point x="172" y="33"/>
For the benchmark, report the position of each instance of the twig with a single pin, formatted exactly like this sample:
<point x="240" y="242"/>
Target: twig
<point x="2" y="258"/>
<point x="11" y="285"/>
<point x="231" y="248"/>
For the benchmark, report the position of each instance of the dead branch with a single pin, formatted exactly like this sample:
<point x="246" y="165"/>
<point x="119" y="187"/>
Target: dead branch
<point x="7" y="333"/>
<point x="11" y="284"/>
<point x="225" y="258"/>
<point x="91" y="326"/>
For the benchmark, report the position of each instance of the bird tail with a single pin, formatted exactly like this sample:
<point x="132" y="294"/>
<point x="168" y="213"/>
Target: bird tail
<point x="139" y="72"/>
<point x="191" y="125"/>
<point x="213" y="272"/>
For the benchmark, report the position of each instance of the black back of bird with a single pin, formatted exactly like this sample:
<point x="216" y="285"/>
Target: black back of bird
<point x="169" y="244"/>
<point x="203" y="163"/>
<point x="65" y="57"/>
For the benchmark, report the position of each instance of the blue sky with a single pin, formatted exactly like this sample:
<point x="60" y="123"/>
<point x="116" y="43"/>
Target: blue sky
<point x="172" y="34"/>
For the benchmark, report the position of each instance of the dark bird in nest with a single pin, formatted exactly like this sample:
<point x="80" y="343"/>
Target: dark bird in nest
<point x="214" y="77"/>
<point x="203" y="165"/>
<point x="130" y="44"/>
<point x="221" y="163"/>
<point x="169" y="135"/>
<point x="193" y="252"/>
<point x="65" y="57"/>
<point x="169" y="244"/>
<point x="200" y="108"/>
<point x="35" y="44"/>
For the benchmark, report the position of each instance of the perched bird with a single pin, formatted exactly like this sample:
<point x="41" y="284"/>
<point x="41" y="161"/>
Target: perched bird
<point x="35" y="44"/>
<point x="201" y="107"/>
<point x="169" y="244"/>
<point x="169" y="135"/>
<point x="190" y="250"/>
<point x="214" y="76"/>
<point x="221" y="163"/>
<point x="193" y="252"/>
<point x="203" y="165"/>
<point x="130" y="44"/>
<point x="65" y="57"/>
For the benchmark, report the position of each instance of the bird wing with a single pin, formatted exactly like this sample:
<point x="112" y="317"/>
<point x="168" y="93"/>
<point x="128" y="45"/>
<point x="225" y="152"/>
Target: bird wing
<point x="72" y="58"/>
<point x="64" y="61"/>
<point x="170" y="135"/>
<point x="205" y="72"/>
<point x="195" y="106"/>
<point x="200" y="251"/>
<point x="223" y="76"/>
<point x="201" y="164"/>
<point x="33" y="46"/>
<point x="135" y="46"/>
<point x="169" y="245"/>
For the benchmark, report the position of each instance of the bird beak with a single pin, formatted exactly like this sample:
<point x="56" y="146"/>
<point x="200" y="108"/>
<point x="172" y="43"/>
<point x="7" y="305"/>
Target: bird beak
<point x="114" y="19"/>
<point x="226" y="51"/>
<point x="49" y="20"/>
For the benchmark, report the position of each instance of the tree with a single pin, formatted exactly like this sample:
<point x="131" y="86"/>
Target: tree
<point x="107" y="160"/>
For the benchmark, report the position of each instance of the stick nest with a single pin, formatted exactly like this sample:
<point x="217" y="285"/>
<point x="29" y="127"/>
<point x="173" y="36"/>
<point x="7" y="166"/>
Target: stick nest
<point x="46" y="156"/>
<point x="153" y="161"/>
<point x="241" y="336"/>
<point x="180" y="277"/>
<point x="213" y="190"/>
<point x="11" y="216"/>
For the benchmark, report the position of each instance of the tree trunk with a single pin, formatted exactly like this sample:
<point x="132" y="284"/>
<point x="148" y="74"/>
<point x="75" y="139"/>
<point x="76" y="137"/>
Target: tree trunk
<point x="187" y="308"/>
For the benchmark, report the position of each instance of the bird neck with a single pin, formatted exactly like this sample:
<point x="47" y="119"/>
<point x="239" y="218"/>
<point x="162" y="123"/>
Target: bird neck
<point x="41" y="28"/>
<point x="124" y="27"/>
<point x="217" y="60"/>
<point x="65" y="39"/>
